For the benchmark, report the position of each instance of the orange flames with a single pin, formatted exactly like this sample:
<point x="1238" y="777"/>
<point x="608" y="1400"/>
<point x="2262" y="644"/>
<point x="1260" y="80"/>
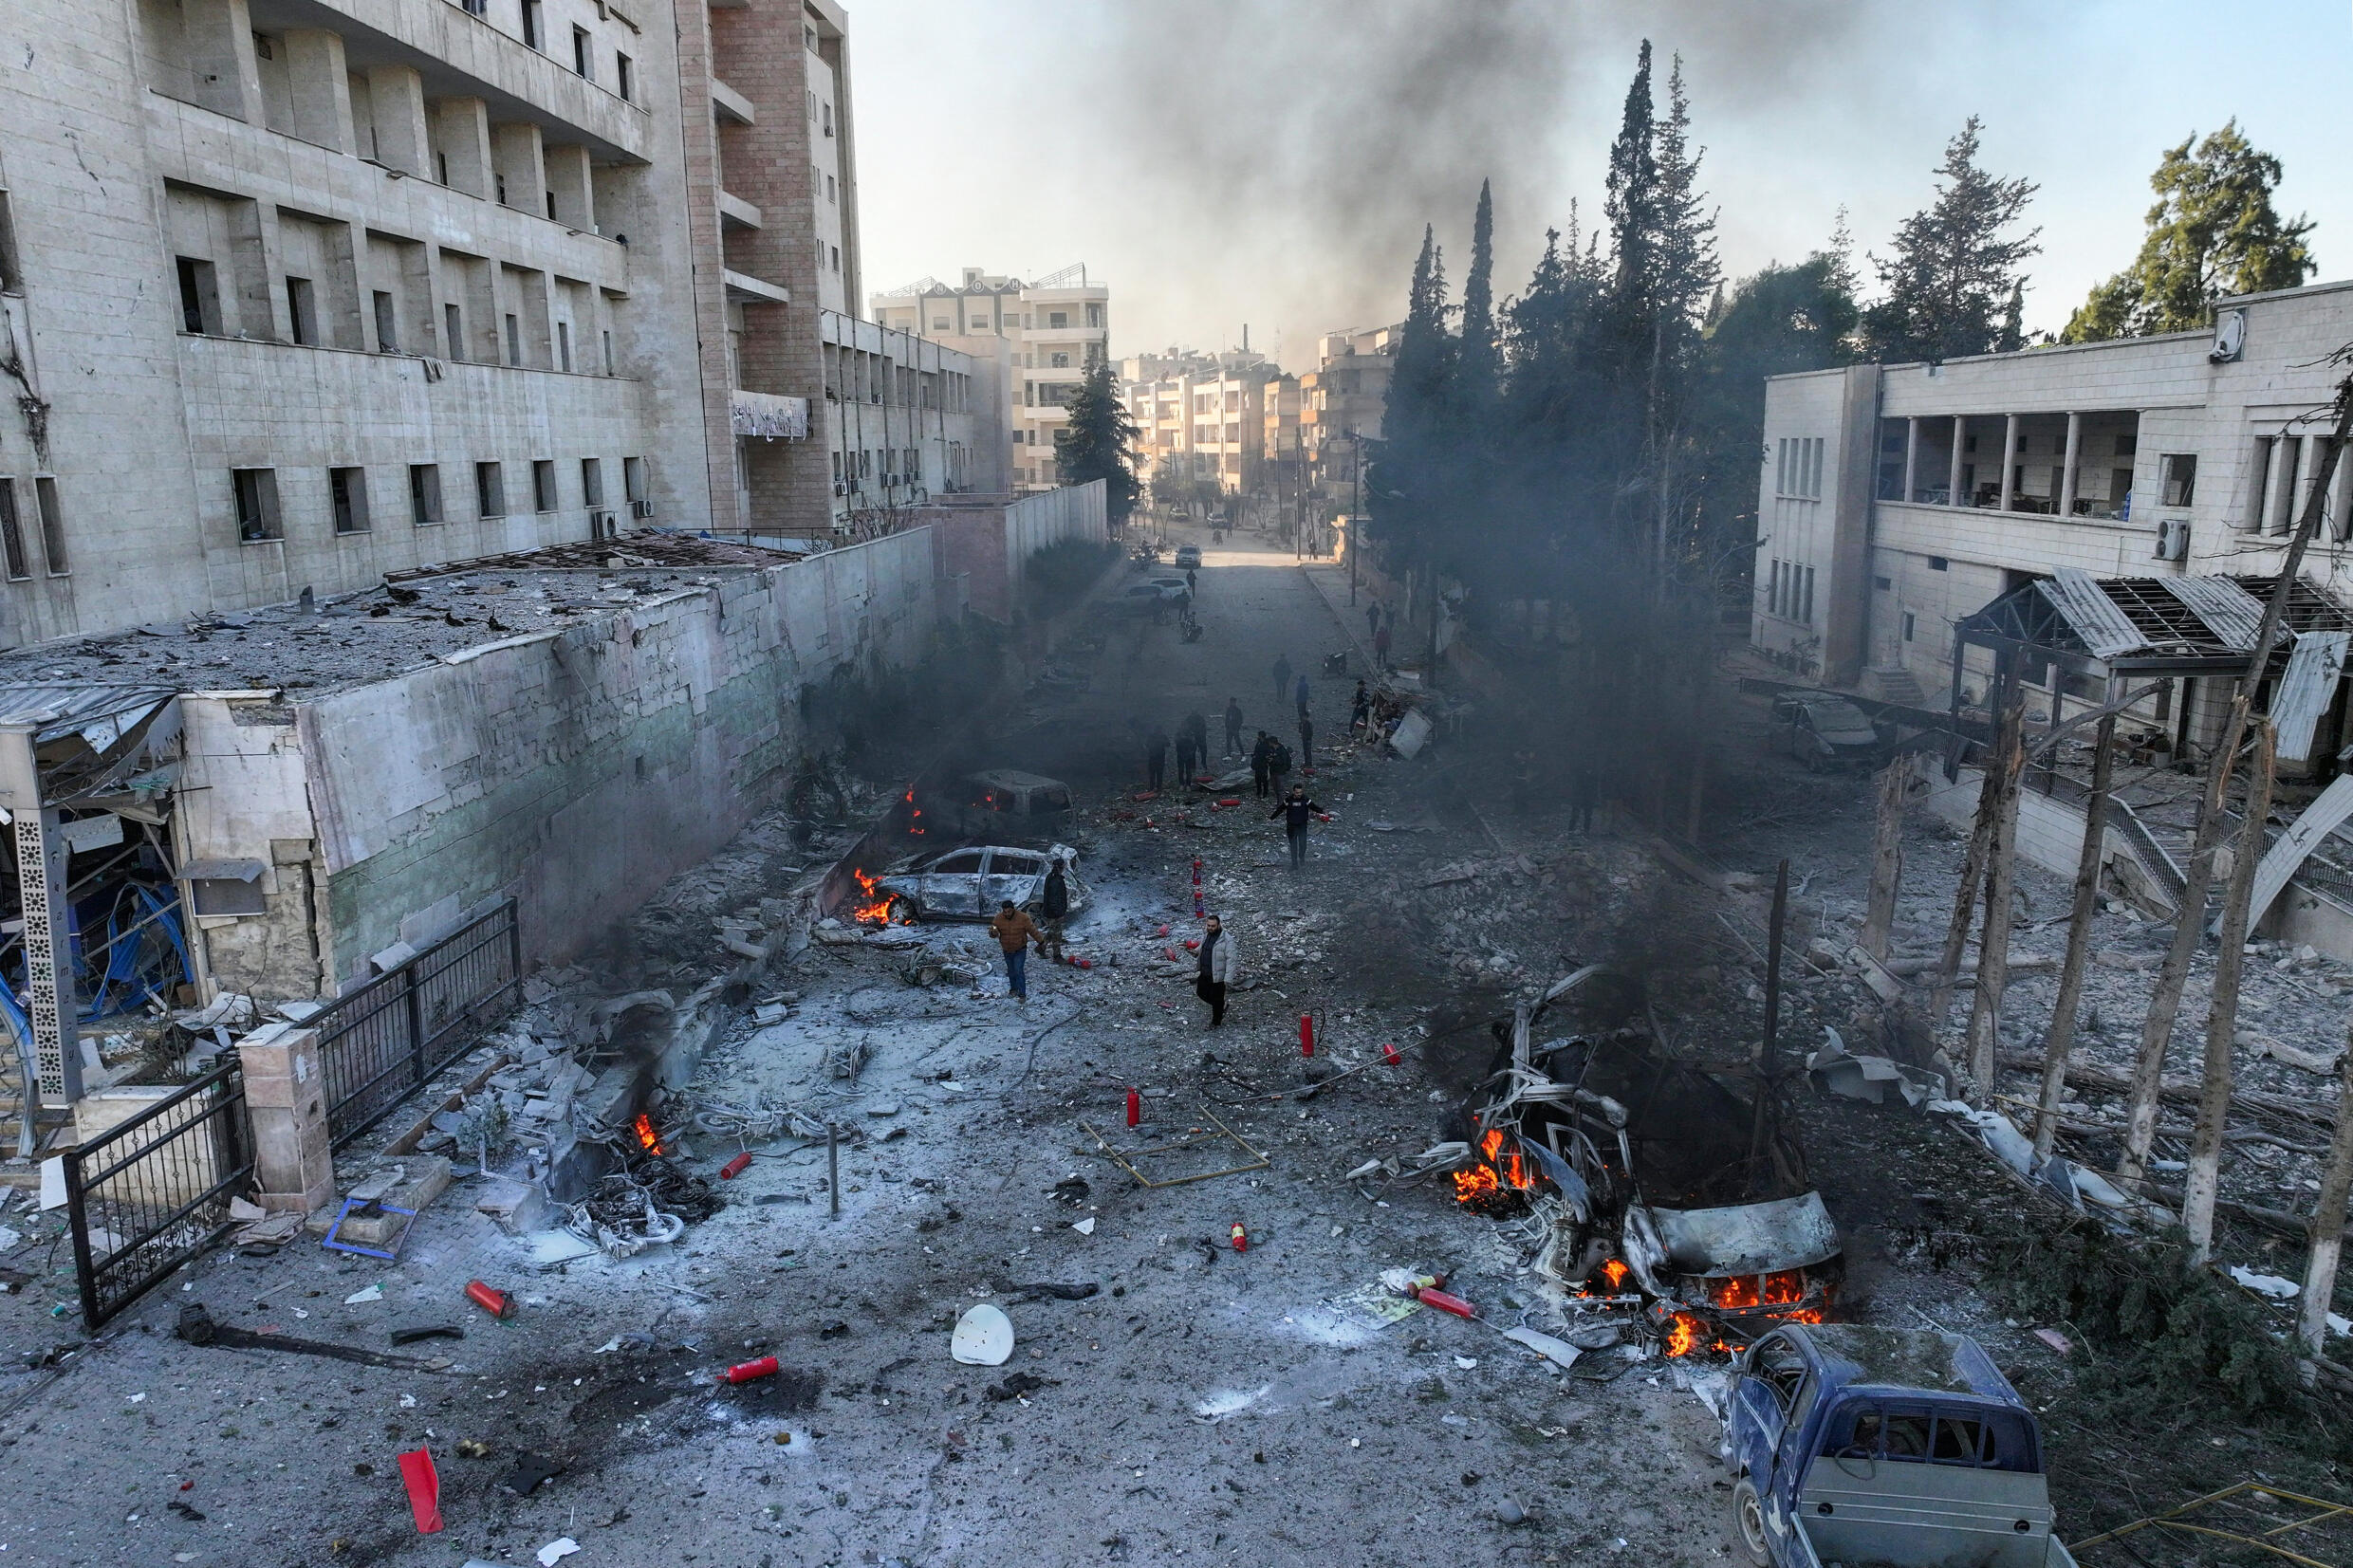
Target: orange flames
<point x="647" y="1138"/>
<point x="1682" y="1334"/>
<point x="1785" y="1288"/>
<point x="876" y="910"/>
<point x="914" y="813"/>
<point x="1495" y="1174"/>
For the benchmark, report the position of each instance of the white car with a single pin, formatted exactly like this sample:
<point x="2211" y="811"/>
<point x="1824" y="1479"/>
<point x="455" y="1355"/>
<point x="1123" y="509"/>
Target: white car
<point x="969" y="883"/>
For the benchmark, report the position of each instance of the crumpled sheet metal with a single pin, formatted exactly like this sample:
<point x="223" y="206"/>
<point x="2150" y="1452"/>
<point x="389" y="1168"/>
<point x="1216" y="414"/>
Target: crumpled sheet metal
<point x="1872" y="1078"/>
<point x="1749" y="1238"/>
<point x="2072" y="1184"/>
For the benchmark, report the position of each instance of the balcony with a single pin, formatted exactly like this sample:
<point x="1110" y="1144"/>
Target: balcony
<point x="737" y="212"/>
<point x="732" y="107"/>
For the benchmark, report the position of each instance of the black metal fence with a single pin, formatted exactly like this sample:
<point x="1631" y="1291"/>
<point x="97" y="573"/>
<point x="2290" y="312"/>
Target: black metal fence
<point x="380" y="1043"/>
<point x="151" y="1192"/>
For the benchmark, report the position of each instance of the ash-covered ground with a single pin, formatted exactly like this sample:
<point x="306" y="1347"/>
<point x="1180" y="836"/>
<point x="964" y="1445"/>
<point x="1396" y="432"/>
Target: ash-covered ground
<point x="1200" y="1402"/>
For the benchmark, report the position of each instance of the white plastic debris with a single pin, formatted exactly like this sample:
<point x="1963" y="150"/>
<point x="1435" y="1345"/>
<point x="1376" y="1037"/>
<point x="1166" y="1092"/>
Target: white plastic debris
<point x="1559" y="1352"/>
<point x="983" y="1338"/>
<point x="563" y="1546"/>
<point x="373" y="1293"/>
<point x="1085" y="1227"/>
<point x="1466" y="1363"/>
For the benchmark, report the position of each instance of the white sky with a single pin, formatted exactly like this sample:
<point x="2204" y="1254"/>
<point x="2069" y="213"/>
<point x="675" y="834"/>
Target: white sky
<point x="1228" y="161"/>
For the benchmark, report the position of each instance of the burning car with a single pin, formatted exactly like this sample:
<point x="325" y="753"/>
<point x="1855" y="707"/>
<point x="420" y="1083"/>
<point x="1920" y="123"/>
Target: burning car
<point x="964" y="884"/>
<point x="1649" y="1168"/>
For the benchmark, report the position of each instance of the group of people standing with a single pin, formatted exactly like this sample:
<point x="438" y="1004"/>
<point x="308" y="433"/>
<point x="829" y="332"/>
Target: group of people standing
<point x="1192" y="746"/>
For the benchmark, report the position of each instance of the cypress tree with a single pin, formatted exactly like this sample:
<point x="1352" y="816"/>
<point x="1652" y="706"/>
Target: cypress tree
<point x="1099" y="442"/>
<point x="1481" y="364"/>
<point x="1954" y="265"/>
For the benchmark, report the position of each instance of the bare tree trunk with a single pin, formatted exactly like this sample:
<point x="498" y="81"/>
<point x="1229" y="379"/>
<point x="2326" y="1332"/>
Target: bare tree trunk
<point x="1972" y="874"/>
<point x="2157" y="1029"/>
<point x="2327" y="1235"/>
<point x="1985" y="1006"/>
<point x="2214" y="1104"/>
<point x="1886" y="859"/>
<point x="2060" y="1043"/>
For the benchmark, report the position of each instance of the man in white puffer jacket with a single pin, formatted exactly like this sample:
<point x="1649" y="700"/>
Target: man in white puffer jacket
<point x="1219" y="967"/>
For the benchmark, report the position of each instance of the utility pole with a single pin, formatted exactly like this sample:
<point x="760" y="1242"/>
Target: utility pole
<point x="1356" y="508"/>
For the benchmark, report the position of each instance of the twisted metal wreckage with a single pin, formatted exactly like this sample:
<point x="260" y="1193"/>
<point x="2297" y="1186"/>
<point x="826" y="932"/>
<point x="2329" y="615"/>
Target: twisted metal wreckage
<point x="1638" y="1165"/>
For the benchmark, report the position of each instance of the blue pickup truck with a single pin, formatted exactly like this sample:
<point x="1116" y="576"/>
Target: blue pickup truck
<point x="1852" y="1447"/>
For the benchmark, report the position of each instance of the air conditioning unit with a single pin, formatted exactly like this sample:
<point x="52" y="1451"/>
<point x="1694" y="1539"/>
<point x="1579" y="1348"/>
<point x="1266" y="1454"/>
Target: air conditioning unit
<point x="840" y="488"/>
<point x="601" y="525"/>
<point x="2172" y="539"/>
<point x="640" y="509"/>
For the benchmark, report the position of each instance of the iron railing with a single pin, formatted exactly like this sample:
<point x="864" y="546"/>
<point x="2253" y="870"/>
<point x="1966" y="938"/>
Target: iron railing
<point x="380" y="1043"/>
<point x="149" y="1193"/>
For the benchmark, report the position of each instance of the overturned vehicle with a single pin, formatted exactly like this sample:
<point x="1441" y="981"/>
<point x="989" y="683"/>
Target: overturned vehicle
<point x="1647" y="1172"/>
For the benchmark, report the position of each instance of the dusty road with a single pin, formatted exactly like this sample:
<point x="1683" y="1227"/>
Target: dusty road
<point x="1203" y="1403"/>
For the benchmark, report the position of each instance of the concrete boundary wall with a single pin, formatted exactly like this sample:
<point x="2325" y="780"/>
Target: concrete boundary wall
<point x="579" y="769"/>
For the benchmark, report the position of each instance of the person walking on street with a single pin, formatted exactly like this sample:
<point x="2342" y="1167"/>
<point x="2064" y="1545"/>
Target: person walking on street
<point x="1184" y="756"/>
<point x="1054" y="907"/>
<point x="1262" y="763"/>
<point x="1381" y="646"/>
<point x="1234" y="726"/>
<point x="1584" y="790"/>
<point x="1278" y="764"/>
<point x="1014" y="932"/>
<point x="1307" y="741"/>
<point x="1302" y="692"/>
<point x="1156" y="756"/>
<point x="1198" y="728"/>
<point x="1282" y="675"/>
<point x="1359" y="708"/>
<point x="1372" y="618"/>
<point x="1193" y="583"/>
<point x="1217" y="970"/>
<point x="1296" y="810"/>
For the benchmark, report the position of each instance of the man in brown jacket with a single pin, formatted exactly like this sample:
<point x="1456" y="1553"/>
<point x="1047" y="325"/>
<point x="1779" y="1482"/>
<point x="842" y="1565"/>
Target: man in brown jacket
<point x="1014" y="932"/>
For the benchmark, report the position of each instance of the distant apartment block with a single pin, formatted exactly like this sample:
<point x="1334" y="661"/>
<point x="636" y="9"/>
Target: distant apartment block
<point x="1341" y="400"/>
<point x="1043" y="333"/>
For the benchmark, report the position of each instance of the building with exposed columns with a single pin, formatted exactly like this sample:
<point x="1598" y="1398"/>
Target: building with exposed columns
<point x="298" y="292"/>
<point x="1897" y="499"/>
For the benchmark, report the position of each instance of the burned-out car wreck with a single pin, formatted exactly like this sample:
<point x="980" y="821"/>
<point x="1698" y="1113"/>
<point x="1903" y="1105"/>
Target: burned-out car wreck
<point x="1646" y="1172"/>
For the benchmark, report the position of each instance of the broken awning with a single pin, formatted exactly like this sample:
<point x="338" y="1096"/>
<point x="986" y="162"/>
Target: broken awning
<point x="2146" y="625"/>
<point x="769" y="415"/>
<point x="221" y="870"/>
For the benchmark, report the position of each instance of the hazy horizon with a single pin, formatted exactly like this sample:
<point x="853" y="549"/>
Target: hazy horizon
<point x="1271" y="162"/>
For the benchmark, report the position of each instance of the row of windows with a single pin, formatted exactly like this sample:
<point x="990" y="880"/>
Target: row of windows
<point x="1789" y="592"/>
<point x="1797" y="469"/>
<point x="261" y="515"/>
<point x="584" y="44"/>
<point x="901" y="465"/>
<point x="13" y="553"/>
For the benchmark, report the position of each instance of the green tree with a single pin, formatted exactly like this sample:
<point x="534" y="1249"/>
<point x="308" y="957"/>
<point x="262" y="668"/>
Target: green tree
<point x="1409" y="483"/>
<point x="1099" y="442"/>
<point x="1955" y="265"/>
<point x="1481" y="362"/>
<point x="2213" y="231"/>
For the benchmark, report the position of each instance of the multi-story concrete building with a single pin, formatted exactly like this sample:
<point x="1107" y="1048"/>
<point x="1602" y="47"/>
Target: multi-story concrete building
<point x="1203" y="416"/>
<point x="1895" y="500"/>
<point x="370" y="284"/>
<point x="905" y="420"/>
<point x="1341" y="400"/>
<point x="1051" y="329"/>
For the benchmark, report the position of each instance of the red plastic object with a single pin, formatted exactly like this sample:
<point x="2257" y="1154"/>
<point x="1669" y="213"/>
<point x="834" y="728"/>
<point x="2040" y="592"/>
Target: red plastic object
<point x="1081" y="963"/>
<point x="745" y="1372"/>
<point x="1169" y="953"/>
<point x="1307" y="1034"/>
<point x="1230" y="800"/>
<point x="425" y="1485"/>
<point x="1135" y="1108"/>
<point x="1444" y="1302"/>
<point x="1193" y="943"/>
<point x="1241" y="1238"/>
<point x="1389" y="1055"/>
<point x="496" y="1302"/>
<point x="1163" y="931"/>
<point x="735" y="1167"/>
<point x="1147" y="795"/>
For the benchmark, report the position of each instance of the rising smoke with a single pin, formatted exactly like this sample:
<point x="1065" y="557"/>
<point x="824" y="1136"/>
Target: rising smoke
<point x="1291" y="151"/>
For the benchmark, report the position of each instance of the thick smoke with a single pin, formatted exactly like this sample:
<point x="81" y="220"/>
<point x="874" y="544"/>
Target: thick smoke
<point x="1289" y="151"/>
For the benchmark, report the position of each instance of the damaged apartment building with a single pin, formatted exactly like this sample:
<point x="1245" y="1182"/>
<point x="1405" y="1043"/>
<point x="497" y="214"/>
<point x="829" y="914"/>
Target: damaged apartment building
<point x="415" y="497"/>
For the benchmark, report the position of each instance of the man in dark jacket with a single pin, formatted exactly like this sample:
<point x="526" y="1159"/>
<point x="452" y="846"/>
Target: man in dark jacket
<point x="1014" y="932"/>
<point x="1359" y="708"/>
<point x="1184" y="756"/>
<point x="1262" y="763"/>
<point x="1278" y="764"/>
<point x="1282" y="675"/>
<point x="1307" y="740"/>
<point x="1155" y="757"/>
<point x="1296" y="810"/>
<point x="1198" y="726"/>
<point x="1053" y="905"/>
<point x="1301" y="692"/>
<point x="1234" y="726"/>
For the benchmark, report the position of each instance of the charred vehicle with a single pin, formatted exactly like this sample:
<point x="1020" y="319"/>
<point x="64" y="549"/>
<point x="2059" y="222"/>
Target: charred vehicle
<point x="965" y="884"/>
<point x="1824" y="732"/>
<point x="1901" y="1446"/>
<point x="1649" y="1168"/>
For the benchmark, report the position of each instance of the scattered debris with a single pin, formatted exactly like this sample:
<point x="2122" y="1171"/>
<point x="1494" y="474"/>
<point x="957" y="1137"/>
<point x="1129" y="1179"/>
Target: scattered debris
<point x="983" y="1338"/>
<point x="424" y="1487"/>
<point x="530" y="1472"/>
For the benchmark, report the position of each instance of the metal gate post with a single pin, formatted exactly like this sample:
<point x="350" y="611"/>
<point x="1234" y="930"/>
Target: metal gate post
<point x="514" y="949"/>
<point x="413" y="1011"/>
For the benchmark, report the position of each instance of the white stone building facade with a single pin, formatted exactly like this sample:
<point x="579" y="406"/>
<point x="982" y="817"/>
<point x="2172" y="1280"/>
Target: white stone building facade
<point x="1895" y="500"/>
